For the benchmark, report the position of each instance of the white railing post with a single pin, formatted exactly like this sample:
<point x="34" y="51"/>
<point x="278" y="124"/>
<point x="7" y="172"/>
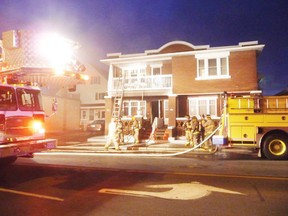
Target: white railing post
<point x="110" y="81"/>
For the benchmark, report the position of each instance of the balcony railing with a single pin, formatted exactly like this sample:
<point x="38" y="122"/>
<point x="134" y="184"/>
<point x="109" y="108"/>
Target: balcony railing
<point x="156" y="83"/>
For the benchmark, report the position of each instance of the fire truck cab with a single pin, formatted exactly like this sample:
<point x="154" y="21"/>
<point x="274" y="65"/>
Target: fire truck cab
<point x="257" y="121"/>
<point x="22" y="130"/>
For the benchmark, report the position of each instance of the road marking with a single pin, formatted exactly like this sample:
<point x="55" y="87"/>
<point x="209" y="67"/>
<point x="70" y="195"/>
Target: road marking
<point x="31" y="194"/>
<point x="182" y="191"/>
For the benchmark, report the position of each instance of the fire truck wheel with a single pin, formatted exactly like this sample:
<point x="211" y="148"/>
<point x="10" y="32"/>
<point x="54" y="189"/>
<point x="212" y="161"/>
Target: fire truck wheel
<point x="7" y="161"/>
<point x="276" y="147"/>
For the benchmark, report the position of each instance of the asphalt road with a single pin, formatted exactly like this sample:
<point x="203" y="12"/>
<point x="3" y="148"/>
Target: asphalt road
<point x="91" y="184"/>
<point x="81" y="178"/>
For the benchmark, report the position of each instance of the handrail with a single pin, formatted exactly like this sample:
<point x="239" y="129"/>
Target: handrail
<point x="145" y="82"/>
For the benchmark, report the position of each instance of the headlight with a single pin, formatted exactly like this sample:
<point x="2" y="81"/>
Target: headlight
<point x="38" y="127"/>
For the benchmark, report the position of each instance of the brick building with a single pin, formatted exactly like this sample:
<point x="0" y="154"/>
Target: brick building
<point x="180" y="78"/>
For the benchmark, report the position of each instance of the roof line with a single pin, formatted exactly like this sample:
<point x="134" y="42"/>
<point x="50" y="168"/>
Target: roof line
<point x="125" y="58"/>
<point x="174" y="43"/>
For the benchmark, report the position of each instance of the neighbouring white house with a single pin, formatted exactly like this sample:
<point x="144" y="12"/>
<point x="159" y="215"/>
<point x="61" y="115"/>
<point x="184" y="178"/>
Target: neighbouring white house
<point x="92" y="94"/>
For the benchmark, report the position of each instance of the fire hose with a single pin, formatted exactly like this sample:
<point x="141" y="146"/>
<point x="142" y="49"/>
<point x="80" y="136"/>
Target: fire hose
<point x="168" y="154"/>
<point x="190" y="149"/>
<point x="153" y="154"/>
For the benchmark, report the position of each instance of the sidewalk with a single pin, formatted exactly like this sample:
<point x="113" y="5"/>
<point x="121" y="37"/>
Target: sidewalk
<point x="148" y="145"/>
<point x="85" y="141"/>
<point x="67" y="137"/>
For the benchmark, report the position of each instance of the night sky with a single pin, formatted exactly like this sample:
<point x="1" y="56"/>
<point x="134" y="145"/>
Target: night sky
<point x="133" y="26"/>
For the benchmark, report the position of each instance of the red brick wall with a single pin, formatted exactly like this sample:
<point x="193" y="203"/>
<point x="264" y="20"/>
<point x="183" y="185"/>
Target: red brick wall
<point x="242" y="69"/>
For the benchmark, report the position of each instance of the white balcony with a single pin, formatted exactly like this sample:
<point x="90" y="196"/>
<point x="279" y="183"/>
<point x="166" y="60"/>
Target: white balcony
<point x="148" y="85"/>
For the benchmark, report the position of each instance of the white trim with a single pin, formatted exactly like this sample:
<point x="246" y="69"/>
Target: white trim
<point x="160" y="57"/>
<point x="134" y="67"/>
<point x="110" y="80"/>
<point x="248" y="43"/>
<point x="93" y="107"/>
<point x="213" y="55"/>
<point x="113" y="54"/>
<point x="213" y="77"/>
<point x="203" y="97"/>
<point x="156" y="65"/>
<point x="168" y="56"/>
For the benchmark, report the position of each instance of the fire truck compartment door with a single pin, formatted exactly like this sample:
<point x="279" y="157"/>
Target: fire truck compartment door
<point x="244" y="134"/>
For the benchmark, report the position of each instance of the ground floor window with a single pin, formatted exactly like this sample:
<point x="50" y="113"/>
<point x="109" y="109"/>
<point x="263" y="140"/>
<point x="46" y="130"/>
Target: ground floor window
<point x="99" y="114"/>
<point x="202" y="105"/>
<point x="134" y="107"/>
<point x="84" y="115"/>
<point x="92" y="114"/>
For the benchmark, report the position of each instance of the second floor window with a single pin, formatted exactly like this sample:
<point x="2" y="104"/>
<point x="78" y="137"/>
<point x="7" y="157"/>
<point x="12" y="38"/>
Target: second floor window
<point x="156" y="69"/>
<point x="212" y="66"/>
<point x="135" y="76"/>
<point x="100" y="95"/>
<point x="134" y="71"/>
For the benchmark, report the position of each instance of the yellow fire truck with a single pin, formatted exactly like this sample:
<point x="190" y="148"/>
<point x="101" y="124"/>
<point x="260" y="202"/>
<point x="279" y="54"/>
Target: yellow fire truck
<point x="22" y="119"/>
<point x="256" y="121"/>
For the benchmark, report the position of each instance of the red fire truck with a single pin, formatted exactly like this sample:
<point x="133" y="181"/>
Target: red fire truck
<point x="22" y="118"/>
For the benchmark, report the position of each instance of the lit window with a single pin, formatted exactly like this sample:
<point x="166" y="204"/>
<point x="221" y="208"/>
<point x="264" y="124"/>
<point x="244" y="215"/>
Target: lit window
<point x="212" y="66"/>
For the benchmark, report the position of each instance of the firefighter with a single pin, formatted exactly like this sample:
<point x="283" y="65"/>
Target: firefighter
<point x="112" y="135"/>
<point x="195" y="131"/>
<point x="119" y="132"/>
<point x="188" y="131"/>
<point x="209" y="127"/>
<point x="201" y="128"/>
<point x="136" y="126"/>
